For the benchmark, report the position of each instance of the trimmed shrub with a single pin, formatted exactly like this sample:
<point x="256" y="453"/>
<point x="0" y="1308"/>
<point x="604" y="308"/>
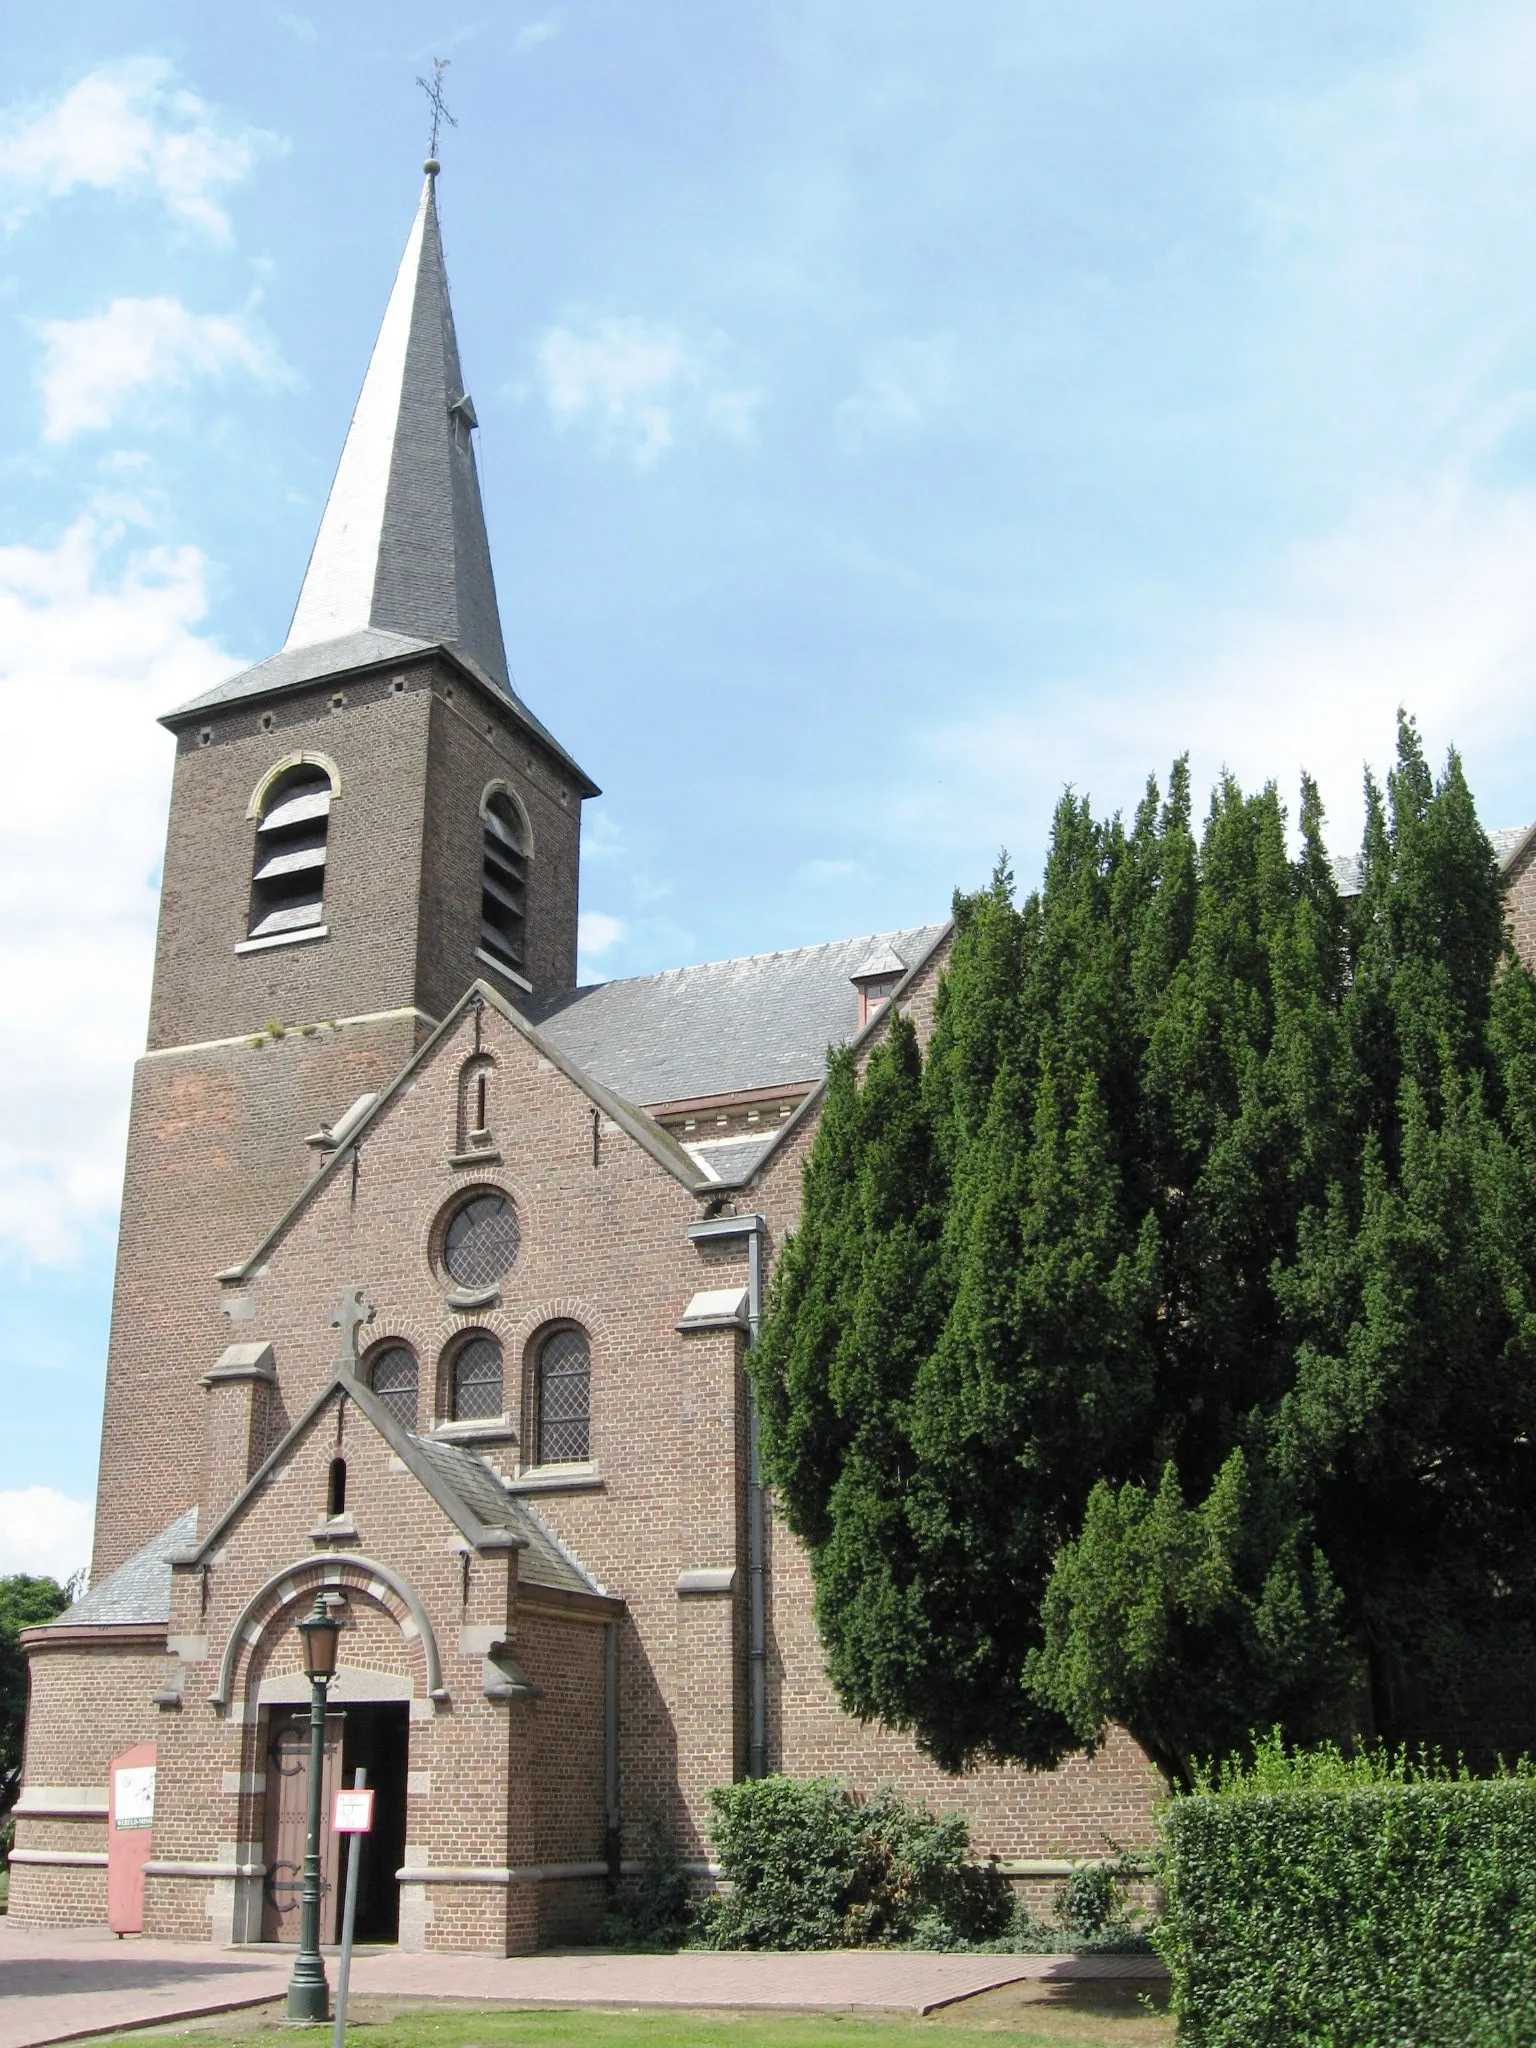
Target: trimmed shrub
<point x="1092" y="1902"/>
<point x="654" y="1909"/>
<point x="809" y="1866"/>
<point x="1350" y="1903"/>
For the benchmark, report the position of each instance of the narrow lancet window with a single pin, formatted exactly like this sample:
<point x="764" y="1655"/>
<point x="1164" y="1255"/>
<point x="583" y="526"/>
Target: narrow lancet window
<point x="475" y="1102"/>
<point x="336" y="1496"/>
<point x="504" y="888"/>
<point x="288" y="881"/>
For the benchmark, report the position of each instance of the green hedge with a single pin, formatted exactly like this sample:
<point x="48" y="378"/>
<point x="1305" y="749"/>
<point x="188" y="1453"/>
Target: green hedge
<point x="1351" y="1903"/>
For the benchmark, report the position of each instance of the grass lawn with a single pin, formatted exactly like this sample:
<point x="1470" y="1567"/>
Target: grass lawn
<point x="1101" y="2015"/>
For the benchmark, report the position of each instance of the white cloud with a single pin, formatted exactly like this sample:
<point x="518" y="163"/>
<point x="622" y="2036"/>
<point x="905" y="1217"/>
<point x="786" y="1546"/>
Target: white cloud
<point x="1423" y="599"/>
<point x="632" y="380"/>
<point x="830" y="870"/>
<point x="532" y="33"/>
<point x="597" y="932"/>
<point x="95" y="640"/>
<point x="127" y="128"/>
<point x="92" y="366"/>
<point x="904" y="383"/>
<point x="44" y="1533"/>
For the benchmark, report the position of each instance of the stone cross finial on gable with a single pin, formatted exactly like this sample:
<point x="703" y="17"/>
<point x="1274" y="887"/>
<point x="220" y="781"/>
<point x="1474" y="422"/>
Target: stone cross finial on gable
<point x="355" y="1309"/>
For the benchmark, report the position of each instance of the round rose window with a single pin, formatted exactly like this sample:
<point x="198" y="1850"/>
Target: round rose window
<point x="482" y="1240"/>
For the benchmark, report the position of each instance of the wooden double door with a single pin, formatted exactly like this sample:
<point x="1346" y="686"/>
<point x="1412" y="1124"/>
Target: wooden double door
<point x="375" y="1737"/>
<point x="288" y="1823"/>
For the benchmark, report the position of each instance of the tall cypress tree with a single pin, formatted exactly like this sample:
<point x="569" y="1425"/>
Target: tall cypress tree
<point x="1160" y="1348"/>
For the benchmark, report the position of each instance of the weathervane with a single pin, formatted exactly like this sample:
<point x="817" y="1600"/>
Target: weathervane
<point x="440" y="113"/>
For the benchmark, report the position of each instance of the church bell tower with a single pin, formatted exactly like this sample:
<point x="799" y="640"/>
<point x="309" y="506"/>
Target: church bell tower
<point x="359" y="827"/>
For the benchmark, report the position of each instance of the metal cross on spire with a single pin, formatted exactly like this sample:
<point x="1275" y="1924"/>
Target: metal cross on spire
<point x="440" y="113"/>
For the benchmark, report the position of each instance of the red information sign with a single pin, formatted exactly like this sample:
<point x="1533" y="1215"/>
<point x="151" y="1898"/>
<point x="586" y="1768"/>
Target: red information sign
<point x="353" y="1813"/>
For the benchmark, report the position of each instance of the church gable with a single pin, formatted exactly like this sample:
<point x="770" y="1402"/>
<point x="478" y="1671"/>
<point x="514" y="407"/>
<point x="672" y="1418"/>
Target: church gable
<point x="504" y="1217"/>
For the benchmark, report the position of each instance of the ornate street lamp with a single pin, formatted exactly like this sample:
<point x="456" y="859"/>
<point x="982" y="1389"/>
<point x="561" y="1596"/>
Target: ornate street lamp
<point x="308" y="1992"/>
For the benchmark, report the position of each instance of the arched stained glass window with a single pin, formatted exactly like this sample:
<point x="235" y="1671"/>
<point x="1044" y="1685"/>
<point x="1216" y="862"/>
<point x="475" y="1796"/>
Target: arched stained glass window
<point x="565" y="1398"/>
<point x="477" y="1379"/>
<point x="396" y="1378"/>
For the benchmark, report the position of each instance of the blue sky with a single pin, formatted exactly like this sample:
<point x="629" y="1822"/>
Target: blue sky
<point x="889" y="414"/>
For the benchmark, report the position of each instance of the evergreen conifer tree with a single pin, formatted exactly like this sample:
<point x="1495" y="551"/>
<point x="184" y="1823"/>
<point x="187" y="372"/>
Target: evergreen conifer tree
<point x="1161" y="1348"/>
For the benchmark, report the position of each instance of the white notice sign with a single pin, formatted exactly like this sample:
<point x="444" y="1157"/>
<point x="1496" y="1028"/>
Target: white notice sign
<point x="133" y="1797"/>
<point x="353" y="1814"/>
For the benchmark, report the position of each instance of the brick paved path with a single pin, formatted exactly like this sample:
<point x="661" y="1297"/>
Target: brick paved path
<point x="56" y="1985"/>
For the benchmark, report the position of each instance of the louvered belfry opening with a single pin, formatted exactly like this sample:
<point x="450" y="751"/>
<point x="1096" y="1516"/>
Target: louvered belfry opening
<point x="288" y="881"/>
<point x="505" y="886"/>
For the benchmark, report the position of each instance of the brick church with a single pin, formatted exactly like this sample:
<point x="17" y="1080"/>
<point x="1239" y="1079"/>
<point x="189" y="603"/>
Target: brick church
<point x="435" y="1278"/>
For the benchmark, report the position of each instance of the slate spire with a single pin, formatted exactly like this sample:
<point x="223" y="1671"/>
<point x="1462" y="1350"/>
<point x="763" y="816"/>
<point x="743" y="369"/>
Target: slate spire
<point x="402" y="545"/>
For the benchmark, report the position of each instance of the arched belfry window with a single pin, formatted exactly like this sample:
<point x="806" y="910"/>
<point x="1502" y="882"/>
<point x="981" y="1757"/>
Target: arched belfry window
<point x="563" y="1398"/>
<point x="504" y="884"/>
<point x="288" y="878"/>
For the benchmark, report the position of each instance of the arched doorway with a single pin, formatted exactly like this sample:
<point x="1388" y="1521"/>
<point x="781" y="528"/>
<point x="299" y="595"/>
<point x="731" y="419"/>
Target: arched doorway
<point x="388" y="1664"/>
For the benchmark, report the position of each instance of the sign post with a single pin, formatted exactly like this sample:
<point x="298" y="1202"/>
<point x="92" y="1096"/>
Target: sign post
<point x="353" y="1815"/>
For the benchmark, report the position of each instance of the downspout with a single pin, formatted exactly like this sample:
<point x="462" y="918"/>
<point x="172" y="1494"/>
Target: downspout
<point x="757" y="1621"/>
<point x="611" y="1820"/>
<point x="752" y="1228"/>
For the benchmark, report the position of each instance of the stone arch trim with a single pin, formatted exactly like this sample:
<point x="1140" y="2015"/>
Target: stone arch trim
<point x="534" y="1319"/>
<point x="329" y="1564"/>
<point x="501" y="787"/>
<point x="305" y="757"/>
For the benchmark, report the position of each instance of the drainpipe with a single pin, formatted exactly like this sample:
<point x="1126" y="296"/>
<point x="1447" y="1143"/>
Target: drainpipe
<point x="752" y="1228"/>
<point x="611" y="1835"/>
<point x="757" y="1626"/>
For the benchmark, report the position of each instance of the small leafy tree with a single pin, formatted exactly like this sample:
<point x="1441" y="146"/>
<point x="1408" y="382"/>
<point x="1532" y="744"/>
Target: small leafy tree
<point x="1161" y="1347"/>
<point x="24" y="1603"/>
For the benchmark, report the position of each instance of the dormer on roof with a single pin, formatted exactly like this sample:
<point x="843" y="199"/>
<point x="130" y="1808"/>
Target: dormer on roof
<point x="877" y="979"/>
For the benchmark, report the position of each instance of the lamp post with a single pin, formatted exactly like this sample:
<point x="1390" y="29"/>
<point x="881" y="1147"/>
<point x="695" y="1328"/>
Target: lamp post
<point x="308" y="1992"/>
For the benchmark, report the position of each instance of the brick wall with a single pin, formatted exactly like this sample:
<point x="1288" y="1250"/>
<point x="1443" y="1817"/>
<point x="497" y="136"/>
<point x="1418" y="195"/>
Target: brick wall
<point x="471" y="748"/>
<point x="222" y="1105"/>
<point x="1520" y="905"/>
<point x="495" y="1785"/>
<point x="88" y="1704"/>
<point x="216" y="1153"/>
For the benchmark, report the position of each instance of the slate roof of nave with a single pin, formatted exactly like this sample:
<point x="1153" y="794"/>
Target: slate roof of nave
<point x="140" y="1589"/>
<point x="764" y="1021"/>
